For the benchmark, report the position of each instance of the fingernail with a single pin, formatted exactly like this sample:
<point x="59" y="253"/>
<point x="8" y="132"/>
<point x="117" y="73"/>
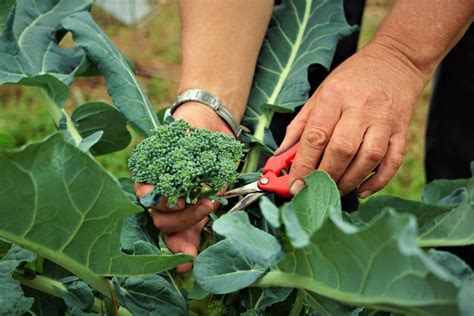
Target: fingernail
<point x="296" y="186"/>
<point x="175" y="207"/>
<point x="365" y="194"/>
<point x="202" y="210"/>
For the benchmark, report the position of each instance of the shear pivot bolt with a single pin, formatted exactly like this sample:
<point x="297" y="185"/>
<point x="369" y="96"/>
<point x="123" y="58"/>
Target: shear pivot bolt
<point x="264" y="181"/>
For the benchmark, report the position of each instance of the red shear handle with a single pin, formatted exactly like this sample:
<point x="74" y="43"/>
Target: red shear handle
<point x="284" y="160"/>
<point x="275" y="184"/>
<point x="274" y="180"/>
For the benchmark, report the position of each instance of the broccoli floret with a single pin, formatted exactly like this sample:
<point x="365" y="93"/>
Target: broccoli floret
<point x="185" y="162"/>
<point x="216" y="308"/>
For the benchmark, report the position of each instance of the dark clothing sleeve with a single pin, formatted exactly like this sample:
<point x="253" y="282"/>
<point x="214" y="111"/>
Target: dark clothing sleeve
<point x="450" y="134"/>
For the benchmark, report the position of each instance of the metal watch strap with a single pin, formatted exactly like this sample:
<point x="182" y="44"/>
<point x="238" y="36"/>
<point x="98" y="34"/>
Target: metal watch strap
<point x="208" y="99"/>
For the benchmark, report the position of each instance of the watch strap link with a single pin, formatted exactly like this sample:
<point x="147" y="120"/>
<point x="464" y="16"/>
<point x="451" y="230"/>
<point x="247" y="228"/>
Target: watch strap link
<point x="206" y="98"/>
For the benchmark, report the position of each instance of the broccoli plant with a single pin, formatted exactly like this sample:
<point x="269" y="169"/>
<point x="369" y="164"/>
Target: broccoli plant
<point x="185" y="162"/>
<point x="96" y="250"/>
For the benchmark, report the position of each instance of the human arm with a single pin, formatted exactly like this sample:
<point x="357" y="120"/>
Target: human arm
<point x="358" y="118"/>
<point x="220" y="45"/>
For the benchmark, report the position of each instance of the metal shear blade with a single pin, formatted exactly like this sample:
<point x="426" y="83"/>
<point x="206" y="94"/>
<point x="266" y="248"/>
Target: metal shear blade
<point x="246" y="189"/>
<point x="246" y="201"/>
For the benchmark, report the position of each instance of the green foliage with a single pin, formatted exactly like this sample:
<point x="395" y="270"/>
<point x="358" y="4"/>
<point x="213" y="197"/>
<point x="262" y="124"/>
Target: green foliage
<point x="122" y="85"/>
<point x="185" y="162"/>
<point x="150" y="295"/>
<point x="29" y="49"/>
<point x="5" y="6"/>
<point x="258" y="299"/>
<point x="216" y="308"/>
<point x="270" y="212"/>
<point x="377" y="264"/>
<point x="93" y="117"/>
<point x="444" y="216"/>
<point x="255" y="244"/>
<point x="300" y="34"/>
<point x="229" y="273"/>
<point x="77" y="195"/>
<point x="12" y="299"/>
<point x="94" y="247"/>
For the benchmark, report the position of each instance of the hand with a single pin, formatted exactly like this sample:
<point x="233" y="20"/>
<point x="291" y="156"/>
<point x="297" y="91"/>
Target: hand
<point x="357" y="122"/>
<point x="182" y="224"/>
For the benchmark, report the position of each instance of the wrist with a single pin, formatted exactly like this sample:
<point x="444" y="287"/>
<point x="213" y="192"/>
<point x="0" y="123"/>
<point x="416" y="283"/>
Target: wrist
<point x="387" y="47"/>
<point x="201" y="116"/>
<point x="398" y="62"/>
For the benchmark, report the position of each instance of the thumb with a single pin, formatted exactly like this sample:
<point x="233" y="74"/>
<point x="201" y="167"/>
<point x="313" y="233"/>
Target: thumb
<point x="177" y="243"/>
<point x="189" y="249"/>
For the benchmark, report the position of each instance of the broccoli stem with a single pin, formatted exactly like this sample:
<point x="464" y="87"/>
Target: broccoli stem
<point x="298" y="304"/>
<point x="56" y="288"/>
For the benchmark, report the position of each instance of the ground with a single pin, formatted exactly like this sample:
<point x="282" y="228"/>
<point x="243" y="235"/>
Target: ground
<point x="154" y="48"/>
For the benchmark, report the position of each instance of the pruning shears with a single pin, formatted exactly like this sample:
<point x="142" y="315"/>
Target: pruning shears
<point x="274" y="180"/>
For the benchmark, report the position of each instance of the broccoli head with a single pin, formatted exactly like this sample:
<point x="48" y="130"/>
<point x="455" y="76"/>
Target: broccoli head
<point x="185" y="162"/>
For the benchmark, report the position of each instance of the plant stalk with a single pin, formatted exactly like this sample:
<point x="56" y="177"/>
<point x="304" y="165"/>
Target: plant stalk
<point x="298" y="304"/>
<point x="251" y="165"/>
<point x="58" y="289"/>
<point x="99" y="283"/>
<point x="58" y="114"/>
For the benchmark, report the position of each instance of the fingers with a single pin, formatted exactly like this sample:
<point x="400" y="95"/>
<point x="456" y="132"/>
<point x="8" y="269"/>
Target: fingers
<point x="315" y="137"/>
<point x="186" y="241"/>
<point x="295" y="129"/>
<point x="163" y="205"/>
<point x="371" y="153"/>
<point x="142" y="189"/>
<point x="343" y="145"/>
<point x="172" y="222"/>
<point x="388" y="167"/>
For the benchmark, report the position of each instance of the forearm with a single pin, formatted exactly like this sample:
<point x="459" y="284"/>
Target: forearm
<point x="220" y="44"/>
<point x="422" y="32"/>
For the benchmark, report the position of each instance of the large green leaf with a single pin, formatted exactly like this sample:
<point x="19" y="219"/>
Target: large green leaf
<point x="137" y="236"/>
<point x="313" y="203"/>
<point x="255" y="244"/>
<point x="92" y="117"/>
<point x="122" y="85"/>
<point x="150" y="295"/>
<point x="297" y="236"/>
<point x="270" y="212"/>
<point x="444" y="218"/>
<point x="378" y="266"/>
<point x="222" y="269"/>
<point x="29" y="51"/>
<point x="309" y="208"/>
<point x="59" y="202"/>
<point x="78" y="295"/>
<point x="301" y="33"/>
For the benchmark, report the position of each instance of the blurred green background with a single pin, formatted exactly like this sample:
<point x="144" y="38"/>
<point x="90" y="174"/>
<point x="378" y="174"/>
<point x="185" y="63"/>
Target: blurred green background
<point x="154" y="47"/>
